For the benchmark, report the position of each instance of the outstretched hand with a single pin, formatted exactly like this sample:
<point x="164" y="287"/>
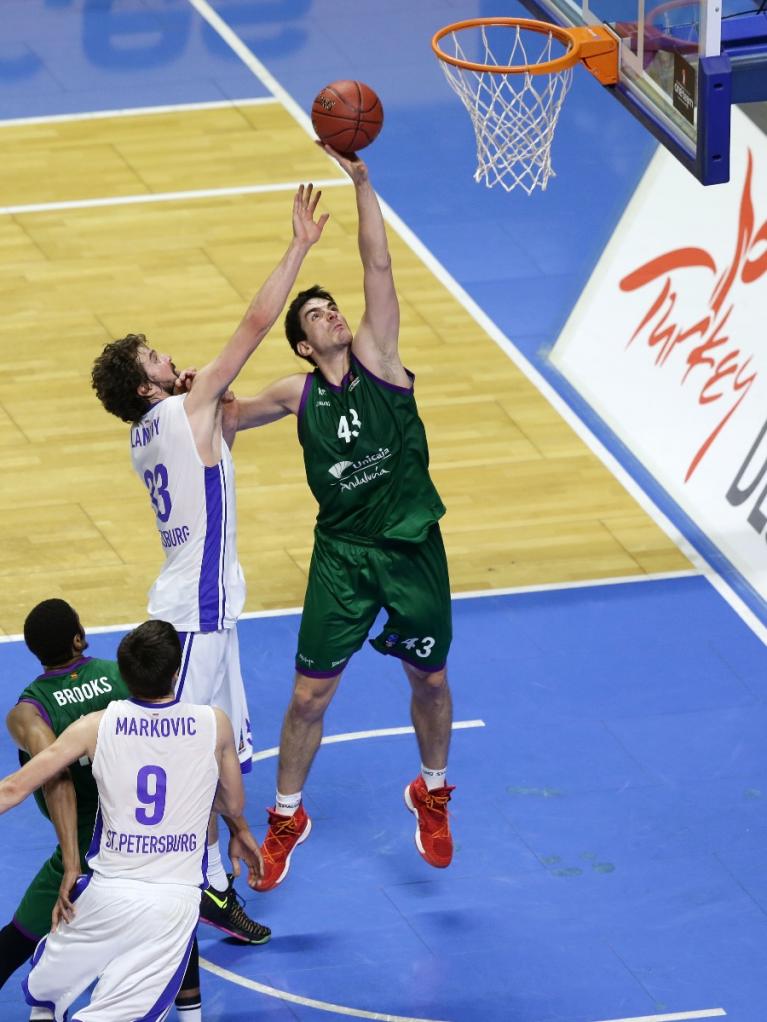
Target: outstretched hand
<point x="305" y="227"/>
<point x="351" y="163"/>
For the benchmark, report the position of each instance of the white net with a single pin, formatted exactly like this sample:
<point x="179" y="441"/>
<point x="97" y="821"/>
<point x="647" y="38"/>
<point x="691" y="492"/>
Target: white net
<point x="514" y="115"/>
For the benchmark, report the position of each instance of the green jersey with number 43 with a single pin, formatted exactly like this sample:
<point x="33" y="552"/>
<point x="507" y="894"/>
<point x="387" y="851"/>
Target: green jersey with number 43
<point x="366" y="458"/>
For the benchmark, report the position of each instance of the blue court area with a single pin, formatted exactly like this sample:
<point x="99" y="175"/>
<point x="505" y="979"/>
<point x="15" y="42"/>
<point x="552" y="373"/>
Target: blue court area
<point x="609" y="820"/>
<point x="610" y="809"/>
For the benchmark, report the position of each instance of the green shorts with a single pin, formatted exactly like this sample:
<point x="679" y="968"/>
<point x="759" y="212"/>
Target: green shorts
<point x="350" y="583"/>
<point x="33" y="916"/>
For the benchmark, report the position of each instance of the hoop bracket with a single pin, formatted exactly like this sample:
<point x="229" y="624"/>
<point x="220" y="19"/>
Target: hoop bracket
<point x="598" y="50"/>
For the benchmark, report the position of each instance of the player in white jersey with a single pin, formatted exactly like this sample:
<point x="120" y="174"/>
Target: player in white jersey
<point x="133" y="921"/>
<point x="180" y="452"/>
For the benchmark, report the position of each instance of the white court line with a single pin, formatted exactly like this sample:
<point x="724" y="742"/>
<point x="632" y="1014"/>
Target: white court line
<point x="261" y="988"/>
<point x="589" y="583"/>
<point x="307" y="1002"/>
<point x="144" y="197"/>
<point x="677" y="1016"/>
<point x="546" y="587"/>
<point x="139" y="111"/>
<point x="497" y="335"/>
<point x="353" y="736"/>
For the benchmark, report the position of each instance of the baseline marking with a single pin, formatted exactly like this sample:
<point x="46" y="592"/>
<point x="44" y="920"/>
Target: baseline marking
<point x="544" y="587"/>
<point x="353" y="736"/>
<point x="307" y="1002"/>
<point x="500" y="339"/>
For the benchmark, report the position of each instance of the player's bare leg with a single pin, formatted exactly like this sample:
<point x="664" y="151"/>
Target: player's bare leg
<point x="431" y="709"/>
<point x="289" y="823"/>
<point x="302" y="729"/>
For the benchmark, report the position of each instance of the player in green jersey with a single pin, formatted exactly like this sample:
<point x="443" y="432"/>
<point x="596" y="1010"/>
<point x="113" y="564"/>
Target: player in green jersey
<point x="72" y="684"/>
<point x="377" y="537"/>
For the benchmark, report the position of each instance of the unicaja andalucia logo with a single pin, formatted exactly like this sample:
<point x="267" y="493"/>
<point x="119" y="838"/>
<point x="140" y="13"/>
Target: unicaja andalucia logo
<point x="351" y="474"/>
<point x="339" y="468"/>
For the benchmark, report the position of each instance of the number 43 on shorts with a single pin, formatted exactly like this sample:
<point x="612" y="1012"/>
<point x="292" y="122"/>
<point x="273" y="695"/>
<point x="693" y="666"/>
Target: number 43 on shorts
<point x="422" y="647"/>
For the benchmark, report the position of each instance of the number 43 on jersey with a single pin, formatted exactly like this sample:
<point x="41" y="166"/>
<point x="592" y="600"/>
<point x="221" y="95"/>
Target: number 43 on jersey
<point x="347" y="431"/>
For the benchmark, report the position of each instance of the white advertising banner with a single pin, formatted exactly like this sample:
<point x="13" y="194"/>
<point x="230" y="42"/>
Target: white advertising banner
<point x="668" y="343"/>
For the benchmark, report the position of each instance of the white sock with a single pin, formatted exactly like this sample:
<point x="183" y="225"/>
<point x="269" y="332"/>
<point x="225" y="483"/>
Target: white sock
<point x="190" y="1014"/>
<point x="286" y="805"/>
<point x="217" y="877"/>
<point x="40" y="1014"/>
<point x="434" y="778"/>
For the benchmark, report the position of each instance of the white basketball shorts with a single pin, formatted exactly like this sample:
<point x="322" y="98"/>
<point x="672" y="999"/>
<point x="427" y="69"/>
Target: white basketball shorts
<point x="134" y="937"/>
<point x="210" y="674"/>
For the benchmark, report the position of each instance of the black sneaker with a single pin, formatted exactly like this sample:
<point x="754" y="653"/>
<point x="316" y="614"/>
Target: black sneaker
<point x="225" y="911"/>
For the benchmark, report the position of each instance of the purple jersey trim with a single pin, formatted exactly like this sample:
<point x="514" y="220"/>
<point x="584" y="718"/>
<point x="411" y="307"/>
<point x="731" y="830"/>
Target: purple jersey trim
<point x="246" y="765"/>
<point x="25" y="932"/>
<point x="79" y="886"/>
<point x="305" y="396"/>
<point x="58" y="671"/>
<point x="40" y="709"/>
<point x="204" y="863"/>
<point x="337" y="388"/>
<point x="33" y="1001"/>
<point x="186" y="638"/>
<point x="383" y="383"/>
<point x="323" y="674"/>
<point x="154" y="706"/>
<point x="96" y="839"/>
<point x="210" y="586"/>
<point x="168" y="996"/>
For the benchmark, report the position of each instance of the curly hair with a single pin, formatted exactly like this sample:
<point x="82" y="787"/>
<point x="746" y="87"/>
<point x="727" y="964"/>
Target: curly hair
<point x="293" y="329"/>
<point x="117" y="375"/>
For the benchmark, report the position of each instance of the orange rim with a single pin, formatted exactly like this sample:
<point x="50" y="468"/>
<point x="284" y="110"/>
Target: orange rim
<point x="564" y="35"/>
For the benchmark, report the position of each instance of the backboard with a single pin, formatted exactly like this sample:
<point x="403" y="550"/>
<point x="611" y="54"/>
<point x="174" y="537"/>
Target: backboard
<point x="682" y="64"/>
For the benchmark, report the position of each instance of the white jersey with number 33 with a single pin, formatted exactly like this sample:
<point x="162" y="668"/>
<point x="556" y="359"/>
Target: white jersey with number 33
<point x="201" y="586"/>
<point x="156" y="770"/>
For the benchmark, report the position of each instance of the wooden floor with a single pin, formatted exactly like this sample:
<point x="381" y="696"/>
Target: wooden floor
<point x="528" y="503"/>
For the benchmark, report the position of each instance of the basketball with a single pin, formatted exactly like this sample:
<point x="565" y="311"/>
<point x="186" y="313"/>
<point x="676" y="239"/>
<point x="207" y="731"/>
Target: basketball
<point x="347" y="115"/>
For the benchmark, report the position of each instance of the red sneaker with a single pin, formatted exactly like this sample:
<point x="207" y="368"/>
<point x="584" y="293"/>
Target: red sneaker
<point x="284" y="833"/>
<point x="432" y="834"/>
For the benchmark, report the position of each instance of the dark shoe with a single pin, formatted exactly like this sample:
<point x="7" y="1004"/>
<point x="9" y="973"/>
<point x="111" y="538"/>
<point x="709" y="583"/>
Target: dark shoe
<point x="225" y="911"/>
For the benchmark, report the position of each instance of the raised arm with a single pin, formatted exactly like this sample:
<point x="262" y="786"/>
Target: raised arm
<point x="274" y="402"/>
<point x="213" y="379"/>
<point x="78" y="740"/>
<point x="376" y="341"/>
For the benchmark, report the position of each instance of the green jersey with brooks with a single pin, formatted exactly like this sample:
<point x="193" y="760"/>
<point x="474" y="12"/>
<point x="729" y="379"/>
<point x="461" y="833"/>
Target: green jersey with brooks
<point x="62" y="697"/>
<point x="366" y="458"/>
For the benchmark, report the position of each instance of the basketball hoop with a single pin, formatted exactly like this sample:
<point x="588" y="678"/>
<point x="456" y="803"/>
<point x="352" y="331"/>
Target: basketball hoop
<point x="515" y="91"/>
